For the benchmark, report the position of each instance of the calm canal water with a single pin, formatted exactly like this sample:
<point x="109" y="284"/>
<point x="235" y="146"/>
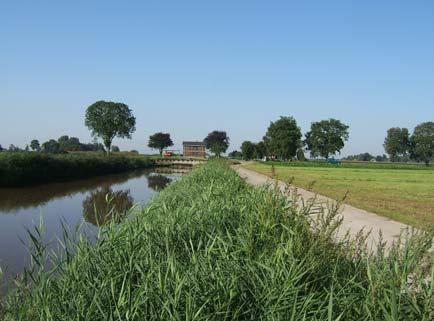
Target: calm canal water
<point x="71" y="203"/>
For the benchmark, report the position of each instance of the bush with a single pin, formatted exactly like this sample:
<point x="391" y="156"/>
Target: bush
<point x="209" y="247"/>
<point x="18" y="169"/>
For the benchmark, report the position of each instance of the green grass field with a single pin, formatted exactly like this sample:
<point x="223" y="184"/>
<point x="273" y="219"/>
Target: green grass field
<point x="403" y="194"/>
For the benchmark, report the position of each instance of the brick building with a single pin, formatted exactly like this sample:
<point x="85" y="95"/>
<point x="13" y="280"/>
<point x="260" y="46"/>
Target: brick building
<point x="194" y="149"/>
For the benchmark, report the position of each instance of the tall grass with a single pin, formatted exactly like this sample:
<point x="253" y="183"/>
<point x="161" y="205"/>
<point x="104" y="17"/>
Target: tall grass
<point x="210" y="247"/>
<point x="18" y="169"/>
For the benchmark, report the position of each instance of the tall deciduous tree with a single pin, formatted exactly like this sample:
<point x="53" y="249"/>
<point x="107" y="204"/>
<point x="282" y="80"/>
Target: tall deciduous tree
<point x="260" y="150"/>
<point x="248" y="150"/>
<point x="35" y="146"/>
<point x="107" y="120"/>
<point x="160" y="141"/>
<point x="217" y="142"/>
<point x="397" y="143"/>
<point x="1" y="148"/>
<point x="326" y="137"/>
<point x="422" y="142"/>
<point x="283" y="138"/>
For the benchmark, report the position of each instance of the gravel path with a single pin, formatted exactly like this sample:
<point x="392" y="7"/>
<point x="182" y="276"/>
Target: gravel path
<point x="354" y="219"/>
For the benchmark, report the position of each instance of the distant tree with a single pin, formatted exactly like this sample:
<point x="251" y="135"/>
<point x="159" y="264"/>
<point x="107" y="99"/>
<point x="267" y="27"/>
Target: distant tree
<point x="422" y="142"/>
<point x="35" y="146"/>
<point x="381" y="158"/>
<point x="235" y="154"/>
<point x="115" y="149"/>
<point x="108" y="120"/>
<point x="1" y="148"/>
<point x="248" y="150"/>
<point x="13" y="148"/>
<point x="70" y="143"/>
<point x="397" y="143"/>
<point x="364" y="157"/>
<point x="217" y="142"/>
<point x="51" y="146"/>
<point x="283" y="138"/>
<point x="260" y="150"/>
<point x="93" y="147"/>
<point x="326" y="137"/>
<point x="160" y="141"/>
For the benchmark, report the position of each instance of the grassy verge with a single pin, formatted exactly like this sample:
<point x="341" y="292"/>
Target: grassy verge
<point x="353" y="164"/>
<point x="405" y="195"/>
<point x="19" y="169"/>
<point x="209" y="247"/>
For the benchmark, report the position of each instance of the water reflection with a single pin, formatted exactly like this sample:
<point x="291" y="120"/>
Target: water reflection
<point x="158" y="182"/>
<point x="70" y="203"/>
<point x="16" y="199"/>
<point x="105" y="205"/>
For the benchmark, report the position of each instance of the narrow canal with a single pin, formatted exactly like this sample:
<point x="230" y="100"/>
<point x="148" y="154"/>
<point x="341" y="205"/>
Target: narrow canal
<point x="81" y="202"/>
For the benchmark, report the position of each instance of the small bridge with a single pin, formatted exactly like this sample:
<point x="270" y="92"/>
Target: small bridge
<point x="179" y="161"/>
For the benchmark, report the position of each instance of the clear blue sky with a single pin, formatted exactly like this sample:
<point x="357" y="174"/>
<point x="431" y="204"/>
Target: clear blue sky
<point x="189" y="67"/>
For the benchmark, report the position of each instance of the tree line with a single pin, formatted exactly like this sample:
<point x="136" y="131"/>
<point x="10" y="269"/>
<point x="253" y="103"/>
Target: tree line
<point x="107" y="120"/>
<point x="401" y="146"/>
<point x="61" y="145"/>
<point x="284" y="140"/>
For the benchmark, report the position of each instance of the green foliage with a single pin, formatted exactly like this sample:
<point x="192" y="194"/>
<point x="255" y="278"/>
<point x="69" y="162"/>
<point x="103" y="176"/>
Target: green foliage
<point x="422" y="142"/>
<point x="107" y="120"/>
<point x="69" y="143"/>
<point x="364" y="157"/>
<point x="248" y="150"/>
<point x="283" y="138"/>
<point x="52" y="147"/>
<point x="115" y="149"/>
<point x="260" y="150"/>
<point x="209" y="247"/>
<point x="35" y="146"/>
<point x="160" y="141"/>
<point x="19" y="169"/>
<point x="217" y="142"/>
<point x="326" y="138"/>
<point x="235" y="154"/>
<point x="397" y="143"/>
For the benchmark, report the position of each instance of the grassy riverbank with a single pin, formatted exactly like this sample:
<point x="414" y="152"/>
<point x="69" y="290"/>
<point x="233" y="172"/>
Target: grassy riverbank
<point x="20" y="169"/>
<point x="404" y="194"/>
<point x="210" y="247"/>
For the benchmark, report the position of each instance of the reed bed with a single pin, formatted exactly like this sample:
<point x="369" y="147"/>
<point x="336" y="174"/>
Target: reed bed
<point x="210" y="247"/>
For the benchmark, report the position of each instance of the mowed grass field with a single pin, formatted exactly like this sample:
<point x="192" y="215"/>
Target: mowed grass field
<point x="405" y="195"/>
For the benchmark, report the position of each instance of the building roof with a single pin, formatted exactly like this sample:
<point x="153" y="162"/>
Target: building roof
<point x="194" y="143"/>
